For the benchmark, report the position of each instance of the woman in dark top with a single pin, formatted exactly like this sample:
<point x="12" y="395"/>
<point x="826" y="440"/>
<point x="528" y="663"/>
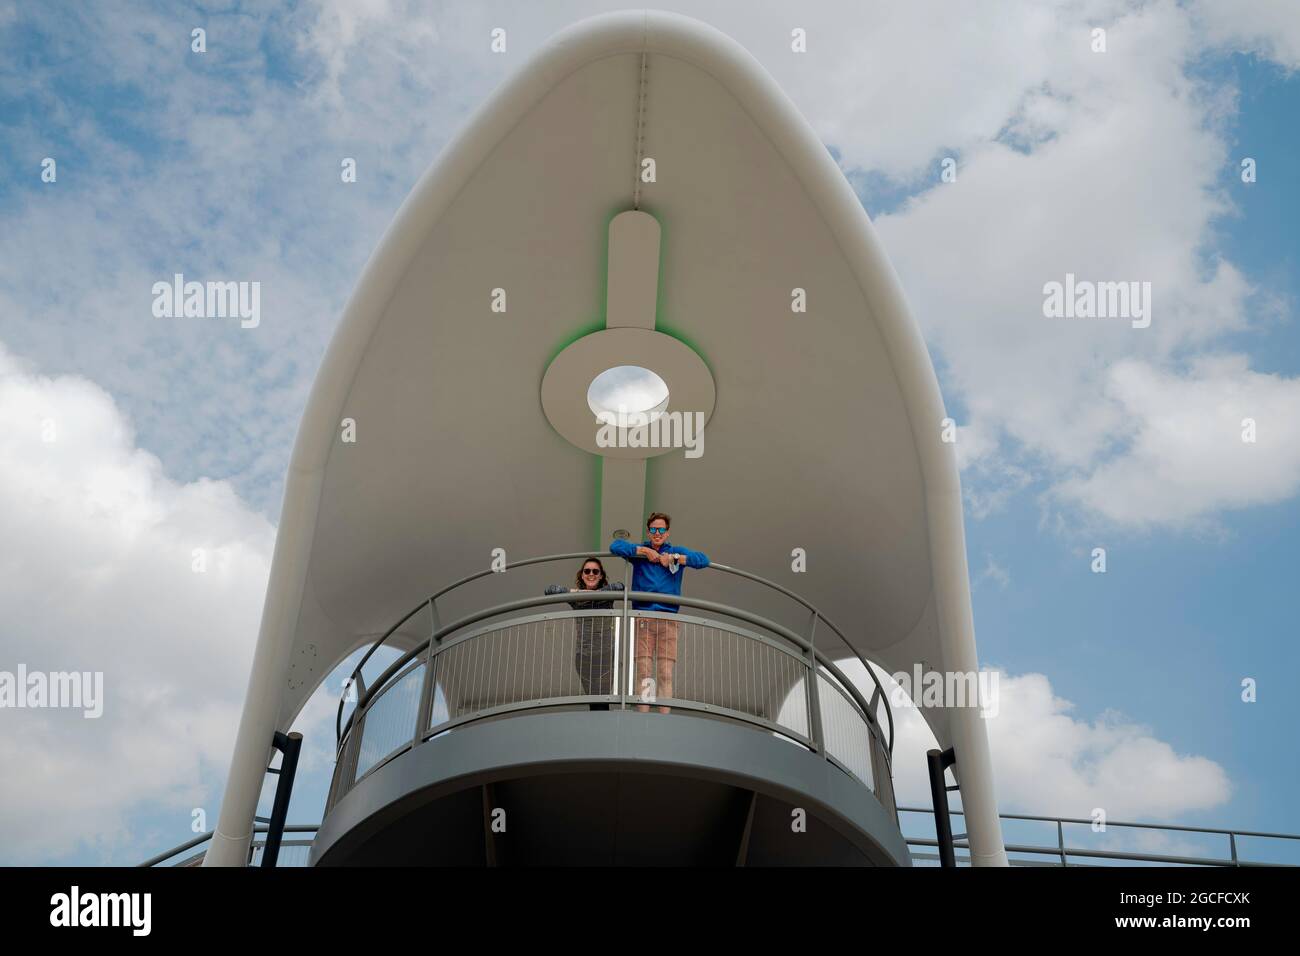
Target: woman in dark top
<point x="593" y="654"/>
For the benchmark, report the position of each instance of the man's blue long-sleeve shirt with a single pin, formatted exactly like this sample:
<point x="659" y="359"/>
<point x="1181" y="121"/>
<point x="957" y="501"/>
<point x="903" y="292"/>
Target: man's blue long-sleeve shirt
<point x="654" y="577"/>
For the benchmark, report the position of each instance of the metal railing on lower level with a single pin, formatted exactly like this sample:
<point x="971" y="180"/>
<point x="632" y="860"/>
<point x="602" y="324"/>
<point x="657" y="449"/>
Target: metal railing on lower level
<point x="1154" y="835"/>
<point x="923" y="849"/>
<point x="293" y="852"/>
<point x="716" y="661"/>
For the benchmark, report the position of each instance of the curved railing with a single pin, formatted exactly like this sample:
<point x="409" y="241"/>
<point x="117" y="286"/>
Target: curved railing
<point x="531" y="653"/>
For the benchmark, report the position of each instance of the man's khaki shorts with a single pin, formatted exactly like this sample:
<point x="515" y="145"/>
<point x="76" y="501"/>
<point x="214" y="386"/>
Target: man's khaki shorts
<point x="656" y="638"/>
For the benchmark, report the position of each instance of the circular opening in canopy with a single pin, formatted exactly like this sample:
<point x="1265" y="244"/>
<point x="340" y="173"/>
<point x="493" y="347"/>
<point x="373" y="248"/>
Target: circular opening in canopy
<point x="629" y="389"/>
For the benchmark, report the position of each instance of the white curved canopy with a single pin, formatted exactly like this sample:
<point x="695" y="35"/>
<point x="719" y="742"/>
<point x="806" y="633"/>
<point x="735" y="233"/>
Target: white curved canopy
<point x="824" y="431"/>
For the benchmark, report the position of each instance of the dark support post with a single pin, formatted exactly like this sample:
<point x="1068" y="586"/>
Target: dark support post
<point x="289" y="746"/>
<point x="423" y="717"/>
<point x="489" y="838"/>
<point x="939" y="761"/>
<point x="814" y="692"/>
<point x="742" y="854"/>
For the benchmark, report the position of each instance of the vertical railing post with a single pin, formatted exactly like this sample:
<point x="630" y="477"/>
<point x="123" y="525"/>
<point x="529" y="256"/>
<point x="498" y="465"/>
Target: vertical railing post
<point x="1060" y="841"/>
<point x="344" y="765"/>
<point x="289" y="746"/>
<point x="625" y="636"/>
<point x="426" y="689"/>
<point x="878" y="766"/>
<point x="938" y="762"/>
<point x="815" y="729"/>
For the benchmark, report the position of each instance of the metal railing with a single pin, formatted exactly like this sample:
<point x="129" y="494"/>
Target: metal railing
<point x="538" y="658"/>
<point x="362" y="693"/>
<point x="920" y="847"/>
<point x="726" y="663"/>
<point x="1061" y="854"/>
<point x="295" y="857"/>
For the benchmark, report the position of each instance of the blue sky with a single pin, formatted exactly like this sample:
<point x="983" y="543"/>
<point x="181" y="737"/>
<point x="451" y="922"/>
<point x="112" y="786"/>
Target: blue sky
<point x="1167" y="632"/>
<point x="226" y="164"/>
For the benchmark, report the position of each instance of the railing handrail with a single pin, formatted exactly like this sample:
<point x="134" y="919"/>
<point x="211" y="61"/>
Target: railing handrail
<point x="383" y="681"/>
<point x="924" y="841"/>
<point x="205" y="837"/>
<point x="1121" y="823"/>
<point x="1062" y="851"/>
<point x="340" y="729"/>
<point x="1099" y="854"/>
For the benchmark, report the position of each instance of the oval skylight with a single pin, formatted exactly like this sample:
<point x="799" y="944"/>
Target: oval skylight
<point x="631" y="388"/>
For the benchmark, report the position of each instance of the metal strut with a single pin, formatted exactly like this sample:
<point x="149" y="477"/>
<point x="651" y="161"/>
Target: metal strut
<point x="289" y="746"/>
<point x="940" y="761"/>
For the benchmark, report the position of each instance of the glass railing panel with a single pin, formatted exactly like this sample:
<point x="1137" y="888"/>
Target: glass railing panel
<point x="389" y="721"/>
<point x="538" y="659"/>
<point x="845" y="730"/>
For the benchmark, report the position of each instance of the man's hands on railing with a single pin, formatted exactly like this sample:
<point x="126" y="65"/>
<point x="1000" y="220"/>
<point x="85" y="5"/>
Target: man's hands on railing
<point x="663" y="558"/>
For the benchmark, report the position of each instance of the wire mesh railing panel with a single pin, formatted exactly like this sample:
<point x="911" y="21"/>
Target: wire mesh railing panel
<point x="529" y="661"/>
<point x="728" y="669"/>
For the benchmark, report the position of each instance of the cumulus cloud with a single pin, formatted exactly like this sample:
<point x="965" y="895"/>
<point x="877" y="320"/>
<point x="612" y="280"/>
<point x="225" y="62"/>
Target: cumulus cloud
<point x="1050" y="761"/>
<point x="1218" y="437"/>
<point x="226" y="172"/>
<point x="1270" y="27"/>
<point x="1108" y="169"/>
<point x="1046" y="758"/>
<point x="98" y="574"/>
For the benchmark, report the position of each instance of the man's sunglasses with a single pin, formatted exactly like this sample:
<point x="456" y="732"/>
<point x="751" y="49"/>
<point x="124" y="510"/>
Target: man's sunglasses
<point x="657" y="530"/>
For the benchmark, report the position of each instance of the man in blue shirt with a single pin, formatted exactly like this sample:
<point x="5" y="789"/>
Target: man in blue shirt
<point x="657" y="567"/>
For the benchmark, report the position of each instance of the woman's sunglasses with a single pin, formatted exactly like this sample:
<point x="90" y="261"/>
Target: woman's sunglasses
<point x="591" y="570"/>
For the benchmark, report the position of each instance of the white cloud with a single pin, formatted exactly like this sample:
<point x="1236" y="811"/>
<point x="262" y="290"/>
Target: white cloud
<point x="1046" y="758"/>
<point x="996" y="572"/>
<point x="1187" y="456"/>
<point x="1049" y="762"/>
<point x="1269" y="27"/>
<point x="224" y="173"/>
<point x="97" y="575"/>
<point x="1110" y="170"/>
